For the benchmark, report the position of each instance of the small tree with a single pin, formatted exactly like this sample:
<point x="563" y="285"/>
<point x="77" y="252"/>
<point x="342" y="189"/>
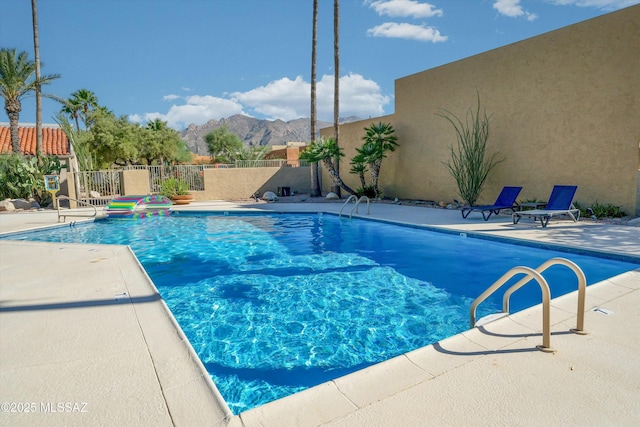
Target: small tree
<point x="223" y="145"/>
<point x="469" y="165"/>
<point x="379" y="139"/>
<point x="324" y="151"/>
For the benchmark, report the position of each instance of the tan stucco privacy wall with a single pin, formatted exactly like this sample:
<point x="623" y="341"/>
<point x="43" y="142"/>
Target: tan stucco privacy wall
<point x="224" y="184"/>
<point x="564" y="106"/>
<point x="134" y="182"/>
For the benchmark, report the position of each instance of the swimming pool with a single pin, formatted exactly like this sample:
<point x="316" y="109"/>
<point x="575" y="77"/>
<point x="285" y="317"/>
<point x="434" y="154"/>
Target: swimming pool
<point x="274" y="304"/>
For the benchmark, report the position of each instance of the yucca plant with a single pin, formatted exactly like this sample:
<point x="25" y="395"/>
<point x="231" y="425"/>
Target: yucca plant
<point x="379" y="139"/>
<point x="469" y="165"/>
<point x="325" y="151"/>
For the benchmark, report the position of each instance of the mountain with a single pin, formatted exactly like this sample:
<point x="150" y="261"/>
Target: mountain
<point x="254" y="132"/>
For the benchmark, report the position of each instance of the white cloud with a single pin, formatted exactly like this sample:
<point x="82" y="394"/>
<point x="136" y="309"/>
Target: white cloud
<point x="358" y="97"/>
<point x="283" y="99"/>
<point x="405" y="8"/>
<point x="170" y="97"/>
<point x="407" y="31"/>
<point x="288" y="99"/>
<point x="198" y="110"/>
<point x="512" y="9"/>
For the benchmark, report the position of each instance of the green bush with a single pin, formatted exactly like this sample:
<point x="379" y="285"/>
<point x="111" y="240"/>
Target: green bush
<point x="174" y="187"/>
<point x="369" y="191"/>
<point x="600" y="210"/>
<point x="22" y="177"/>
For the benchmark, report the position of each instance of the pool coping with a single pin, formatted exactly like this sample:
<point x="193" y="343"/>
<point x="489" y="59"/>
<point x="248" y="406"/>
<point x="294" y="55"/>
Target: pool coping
<point x="348" y="400"/>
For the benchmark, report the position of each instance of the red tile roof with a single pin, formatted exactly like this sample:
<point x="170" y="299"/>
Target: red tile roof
<point x="54" y="140"/>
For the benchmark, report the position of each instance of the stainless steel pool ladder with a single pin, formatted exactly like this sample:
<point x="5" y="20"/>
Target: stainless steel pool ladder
<point x="64" y="215"/>
<point x="546" y="297"/>
<point x="355" y="207"/>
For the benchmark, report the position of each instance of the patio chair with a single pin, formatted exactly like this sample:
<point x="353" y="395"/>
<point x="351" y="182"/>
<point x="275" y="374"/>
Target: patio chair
<point x="506" y="200"/>
<point x="560" y="203"/>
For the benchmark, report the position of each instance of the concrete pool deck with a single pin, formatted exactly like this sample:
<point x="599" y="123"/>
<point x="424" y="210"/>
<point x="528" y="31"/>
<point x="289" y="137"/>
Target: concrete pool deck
<point x="86" y="340"/>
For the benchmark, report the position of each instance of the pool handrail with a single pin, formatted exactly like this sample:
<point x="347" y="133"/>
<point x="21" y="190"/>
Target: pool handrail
<point x="546" y="301"/>
<point x="77" y="214"/>
<point x="351" y="197"/>
<point x="355" y="206"/>
<point x="582" y="289"/>
<point x="536" y="274"/>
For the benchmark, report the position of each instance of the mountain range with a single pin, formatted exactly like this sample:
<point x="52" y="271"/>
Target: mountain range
<point x="254" y="132"/>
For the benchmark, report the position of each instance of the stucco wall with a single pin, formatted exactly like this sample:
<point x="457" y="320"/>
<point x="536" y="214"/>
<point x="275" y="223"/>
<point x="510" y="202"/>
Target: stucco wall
<point x="564" y="106"/>
<point x="134" y="182"/>
<point x="225" y="184"/>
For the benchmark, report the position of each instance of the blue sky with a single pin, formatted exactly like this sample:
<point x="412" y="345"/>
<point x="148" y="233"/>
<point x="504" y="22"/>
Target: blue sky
<point x="190" y="61"/>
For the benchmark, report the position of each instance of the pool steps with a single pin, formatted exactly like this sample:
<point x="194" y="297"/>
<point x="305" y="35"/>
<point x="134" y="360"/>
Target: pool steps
<point x="534" y="274"/>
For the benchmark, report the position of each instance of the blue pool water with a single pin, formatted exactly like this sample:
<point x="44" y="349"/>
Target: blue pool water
<point x="274" y="304"/>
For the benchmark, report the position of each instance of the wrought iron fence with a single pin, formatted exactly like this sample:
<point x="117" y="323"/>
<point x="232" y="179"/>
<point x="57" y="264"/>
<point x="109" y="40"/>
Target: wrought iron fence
<point x="98" y="187"/>
<point x="193" y="175"/>
<point x="273" y="163"/>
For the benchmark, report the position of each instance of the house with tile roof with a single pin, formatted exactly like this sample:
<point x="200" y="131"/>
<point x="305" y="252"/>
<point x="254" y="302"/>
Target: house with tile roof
<point x="54" y="140"/>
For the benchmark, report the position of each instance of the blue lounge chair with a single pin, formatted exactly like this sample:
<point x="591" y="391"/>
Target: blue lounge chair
<point x="506" y="200"/>
<point x="560" y="203"/>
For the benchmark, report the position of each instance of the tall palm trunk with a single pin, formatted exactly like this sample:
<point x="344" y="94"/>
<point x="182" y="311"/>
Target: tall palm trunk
<point x="36" y="49"/>
<point x="13" y="108"/>
<point x="336" y="85"/>
<point x="315" y="181"/>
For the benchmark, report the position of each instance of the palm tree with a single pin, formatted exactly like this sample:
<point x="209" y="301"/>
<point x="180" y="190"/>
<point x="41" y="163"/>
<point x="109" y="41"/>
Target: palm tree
<point x="325" y="151"/>
<point x="315" y="181"/>
<point x="36" y="51"/>
<point x="379" y="139"/>
<point x="336" y="84"/>
<point x="86" y="100"/>
<point x="359" y="167"/>
<point x="17" y="80"/>
<point x="157" y="125"/>
<point x="72" y="109"/>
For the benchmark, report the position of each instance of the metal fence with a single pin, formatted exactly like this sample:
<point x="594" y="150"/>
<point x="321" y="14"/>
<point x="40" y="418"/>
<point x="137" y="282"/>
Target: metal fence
<point x="97" y="187"/>
<point x="193" y="175"/>
<point x="274" y="163"/>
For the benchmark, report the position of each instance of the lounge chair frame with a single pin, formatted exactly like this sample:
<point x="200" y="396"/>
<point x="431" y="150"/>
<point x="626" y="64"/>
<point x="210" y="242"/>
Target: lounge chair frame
<point x="544" y="215"/>
<point x="506" y="200"/>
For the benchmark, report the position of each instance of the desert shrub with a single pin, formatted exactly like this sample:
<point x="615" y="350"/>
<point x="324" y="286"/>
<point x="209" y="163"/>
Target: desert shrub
<point x="369" y="191"/>
<point x="600" y="210"/>
<point x="22" y="177"/>
<point x="470" y="163"/>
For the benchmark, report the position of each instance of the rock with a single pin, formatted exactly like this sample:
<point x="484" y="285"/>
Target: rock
<point x="634" y="222"/>
<point x="332" y="196"/>
<point x="442" y="204"/>
<point x="452" y="206"/>
<point x="21" y="204"/>
<point x="269" y="196"/>
<point x="7" y="205"/>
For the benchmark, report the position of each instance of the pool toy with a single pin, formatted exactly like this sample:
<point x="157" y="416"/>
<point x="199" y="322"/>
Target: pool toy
<point x="135" y="207"/>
